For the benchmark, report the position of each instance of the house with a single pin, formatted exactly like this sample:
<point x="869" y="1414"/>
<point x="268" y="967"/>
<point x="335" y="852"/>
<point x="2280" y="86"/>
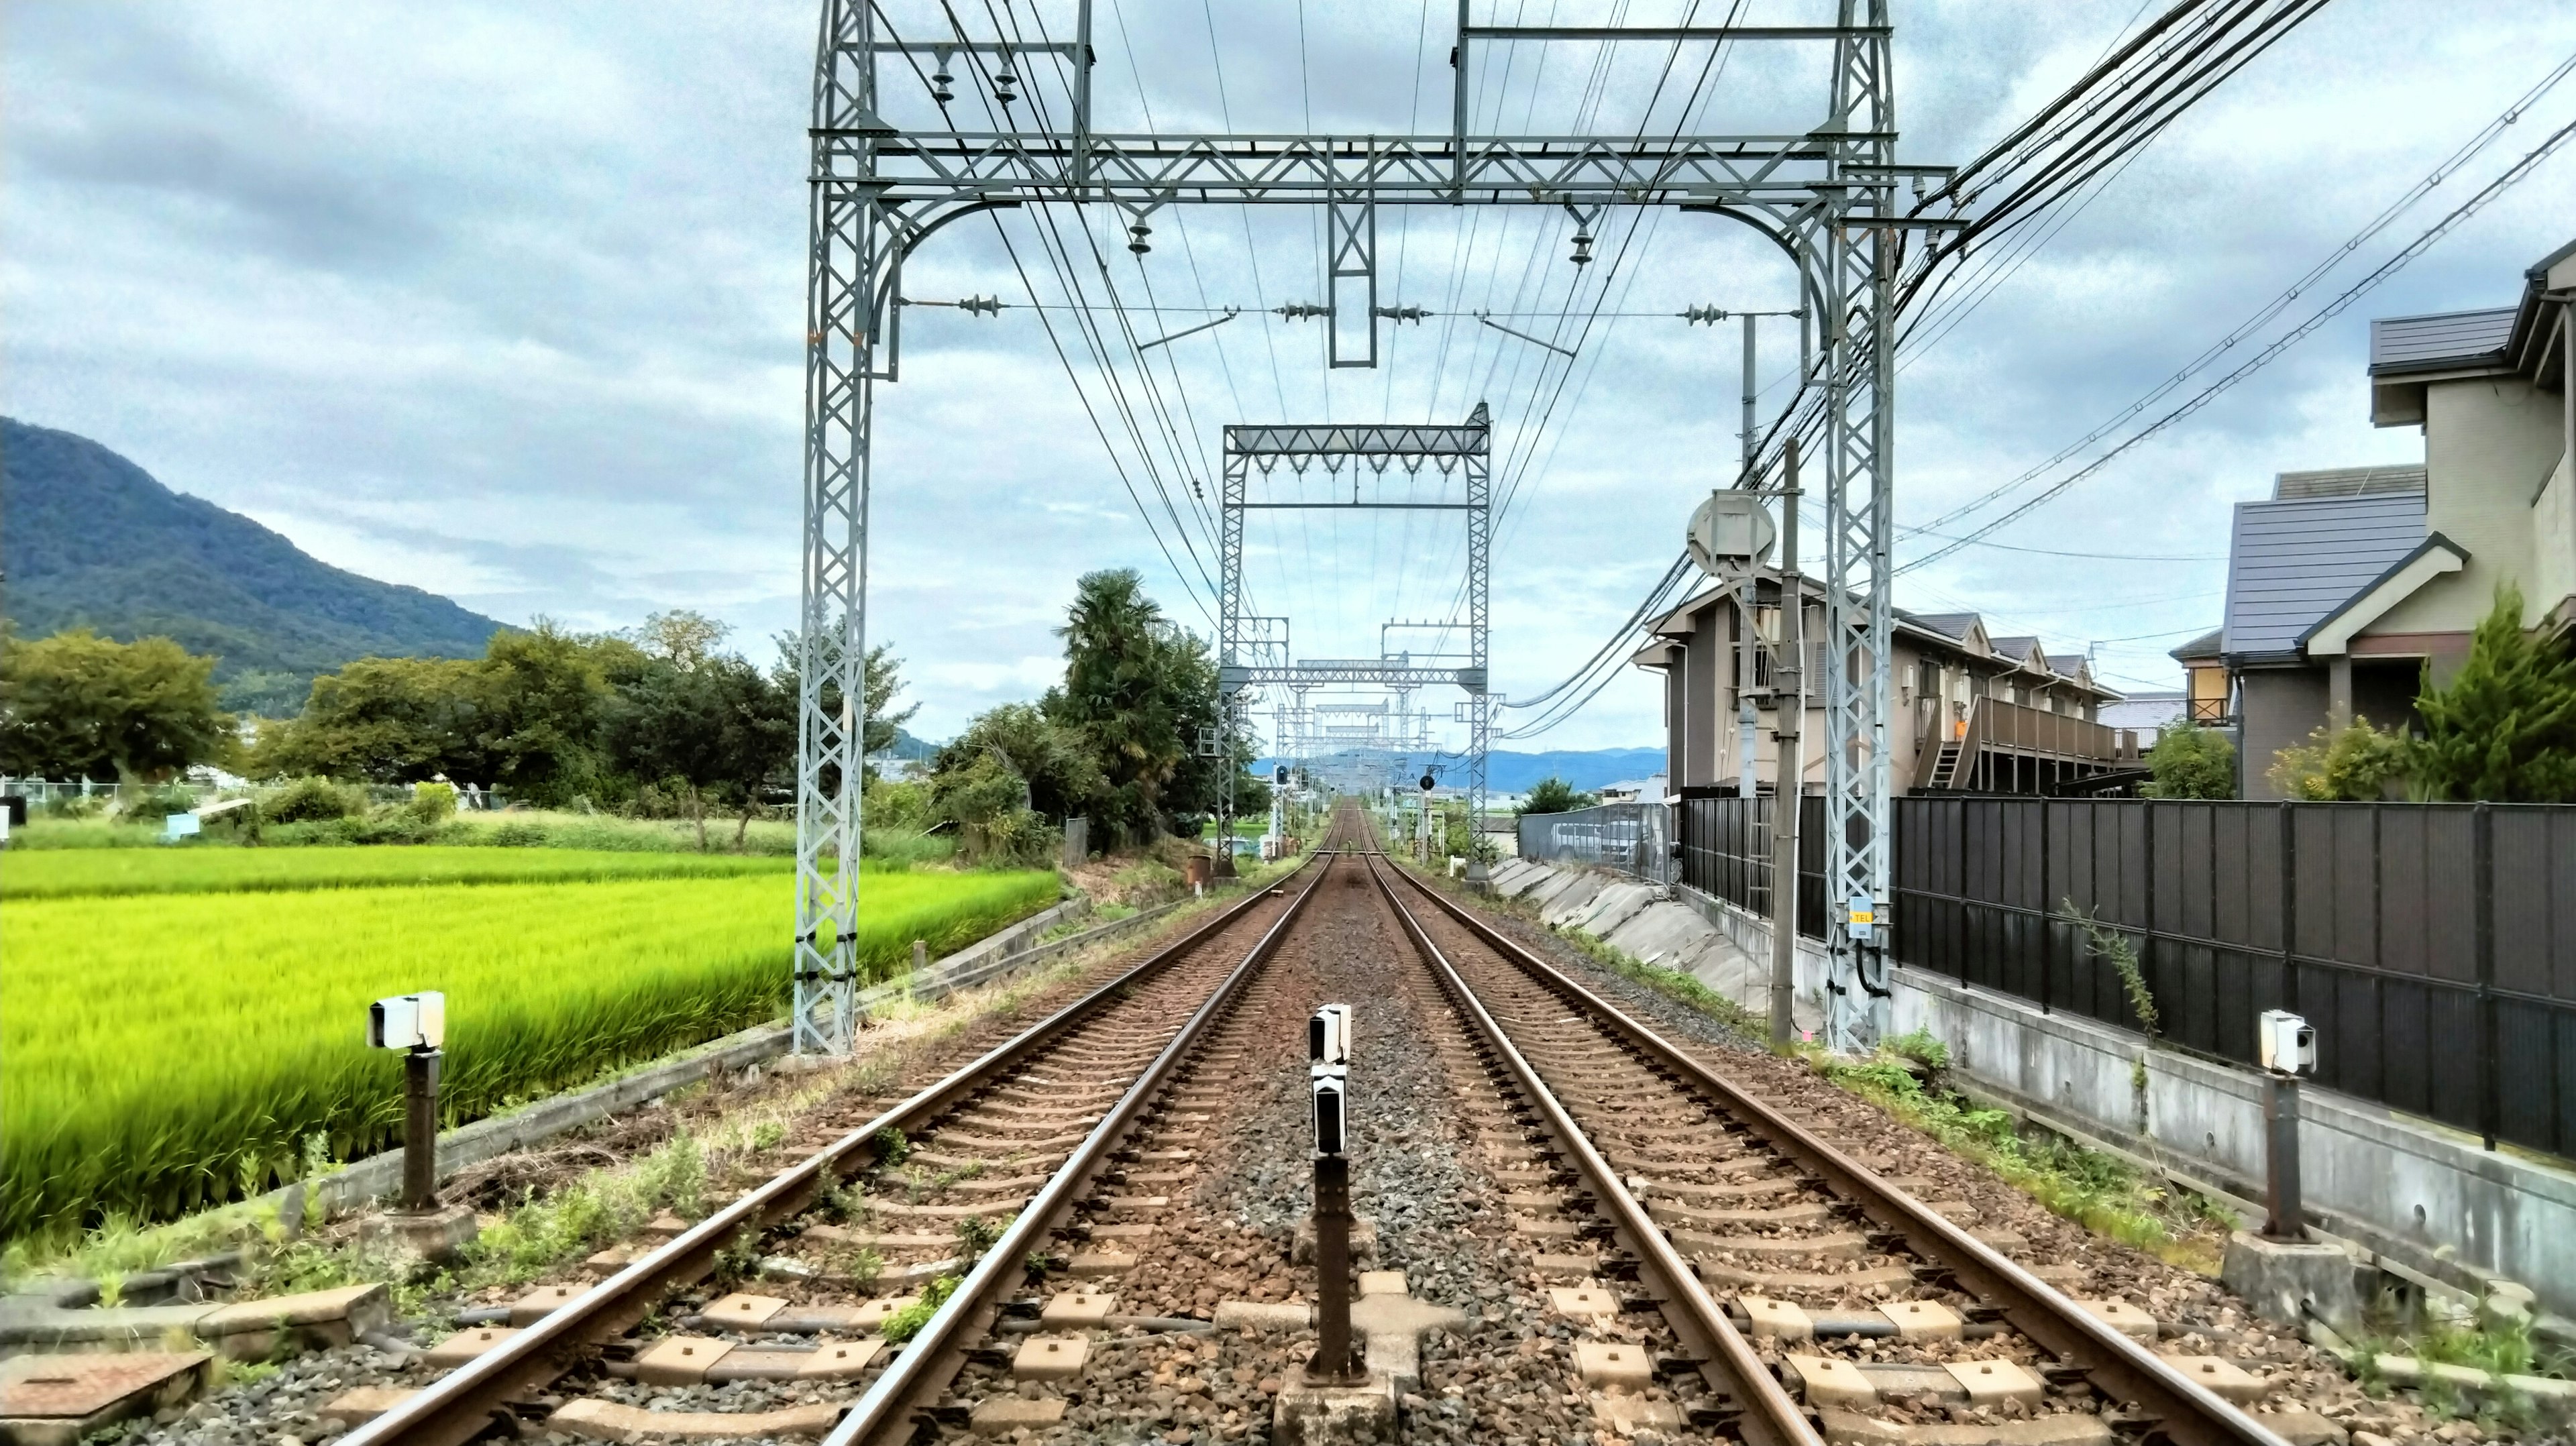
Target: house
<point x="2145" y="713"/>
<point x="1972" y="711"/>
<point x="2348" y="590"/>
<point x="2204" y="666"/>
<point x="1634" y="790"/>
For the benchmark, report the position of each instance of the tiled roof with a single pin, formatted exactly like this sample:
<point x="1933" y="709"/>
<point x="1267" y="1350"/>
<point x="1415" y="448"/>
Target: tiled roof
<point x="2017" y="649"/>
<point x="1948" y="625"/>
<point x="2294" y="562"/>
<point x="2432" y="343"/>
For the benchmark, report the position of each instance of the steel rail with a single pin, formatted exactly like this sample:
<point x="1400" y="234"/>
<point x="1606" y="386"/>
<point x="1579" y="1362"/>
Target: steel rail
<point x="2124" y="1372"/>
<point x="464" y="1403"/>
<point x="1768" y="1417"/>
<point x="888" y="1411"/>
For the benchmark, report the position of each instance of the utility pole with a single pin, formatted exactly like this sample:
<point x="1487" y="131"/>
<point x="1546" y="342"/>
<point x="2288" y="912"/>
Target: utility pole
<point x="1789" y="707"/>
<point x="1744" y="668"/>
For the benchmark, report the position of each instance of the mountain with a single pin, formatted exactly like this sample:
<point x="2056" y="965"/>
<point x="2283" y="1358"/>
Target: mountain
<point x="88" y="539"/>
<point x="1584" y="770"/>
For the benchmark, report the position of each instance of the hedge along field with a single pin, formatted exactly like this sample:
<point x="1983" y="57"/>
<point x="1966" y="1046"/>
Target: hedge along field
<point x="64" y="873"/>
<point x="165" y="1054"/>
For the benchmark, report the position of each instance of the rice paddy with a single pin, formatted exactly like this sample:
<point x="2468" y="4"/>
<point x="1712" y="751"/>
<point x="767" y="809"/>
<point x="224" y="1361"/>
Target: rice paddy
<point x="166" y="1049"/>
<point x="67" y="873"/>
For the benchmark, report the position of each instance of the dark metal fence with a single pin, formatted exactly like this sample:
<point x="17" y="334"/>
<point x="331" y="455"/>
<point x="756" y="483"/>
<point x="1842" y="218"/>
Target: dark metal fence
<point x="1726" y="854"/>
<point x="2433" y="946"/>
<point x="1629" y="837"/>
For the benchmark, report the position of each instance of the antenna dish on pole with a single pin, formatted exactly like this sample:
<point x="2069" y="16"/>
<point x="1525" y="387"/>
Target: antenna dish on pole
<point x="1731" y="531"/>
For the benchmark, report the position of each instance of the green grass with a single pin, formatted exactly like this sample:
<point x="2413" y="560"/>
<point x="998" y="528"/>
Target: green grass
<point x="159" y="1055"/>
<point x="2097" y="1191"/>
<point x="66" y="873"/>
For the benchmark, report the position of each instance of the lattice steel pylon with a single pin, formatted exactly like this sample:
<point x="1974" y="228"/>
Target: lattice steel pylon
<point x="1464" y="451"/>
<point x="885" y="176"/>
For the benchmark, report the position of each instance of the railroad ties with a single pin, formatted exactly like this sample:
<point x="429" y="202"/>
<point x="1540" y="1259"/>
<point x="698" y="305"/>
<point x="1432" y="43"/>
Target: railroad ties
<point x="1567" y="1224"/>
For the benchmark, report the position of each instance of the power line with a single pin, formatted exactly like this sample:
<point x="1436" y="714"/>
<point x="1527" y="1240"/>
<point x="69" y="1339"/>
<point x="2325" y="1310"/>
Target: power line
<point x="2388" y="215"/>
<point x="2494" y="188"/>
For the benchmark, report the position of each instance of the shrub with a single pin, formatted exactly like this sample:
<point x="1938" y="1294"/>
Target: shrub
<point x="433" y="802"/>
<point x="2505" y="730"/>
<point x="312" y="800"/>
<point x="2191" y="762"/>
<point x="2353" y="764"/>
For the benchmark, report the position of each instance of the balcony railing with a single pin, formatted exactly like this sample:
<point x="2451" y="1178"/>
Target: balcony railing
<point x="2209" y="711"/>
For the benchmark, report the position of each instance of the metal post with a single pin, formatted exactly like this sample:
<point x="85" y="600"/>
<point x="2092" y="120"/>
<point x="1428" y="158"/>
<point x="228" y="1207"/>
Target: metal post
<point x="2490" y="1074"/>
<point x="2281" y="1142"/>
<point x="420" y="1130"/>
<point x="1745" y="712"/>
<point x="1333" y="1360"/>
<point x="1789" y="707"/>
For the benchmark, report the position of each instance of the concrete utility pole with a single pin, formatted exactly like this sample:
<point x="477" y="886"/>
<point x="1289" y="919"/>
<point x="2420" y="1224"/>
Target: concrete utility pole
<point x="1746" y="715"/>
<point x="1789" y="705"/>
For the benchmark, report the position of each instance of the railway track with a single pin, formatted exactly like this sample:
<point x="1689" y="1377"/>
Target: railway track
<point x="1089" y="1233"/>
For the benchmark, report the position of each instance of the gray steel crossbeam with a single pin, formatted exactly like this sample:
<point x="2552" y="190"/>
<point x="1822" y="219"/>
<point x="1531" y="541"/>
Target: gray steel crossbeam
<point x="1149" y="170"/>
<point x="1357" y="441"/>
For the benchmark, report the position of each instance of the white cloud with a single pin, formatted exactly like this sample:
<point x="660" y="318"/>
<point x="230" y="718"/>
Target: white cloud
<point x="509" y="302"/>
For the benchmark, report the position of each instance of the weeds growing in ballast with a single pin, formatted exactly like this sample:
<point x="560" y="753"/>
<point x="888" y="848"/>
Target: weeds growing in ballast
<point x="2097" y="1191"/>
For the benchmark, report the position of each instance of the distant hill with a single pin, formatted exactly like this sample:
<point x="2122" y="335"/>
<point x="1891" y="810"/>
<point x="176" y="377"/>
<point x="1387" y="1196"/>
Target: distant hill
<point x="1507" y="772"/>
<point x="88" y="539"/>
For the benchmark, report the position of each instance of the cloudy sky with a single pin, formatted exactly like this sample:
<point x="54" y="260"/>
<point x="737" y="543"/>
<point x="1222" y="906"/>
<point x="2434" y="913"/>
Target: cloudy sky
<point x="506" y="301"/>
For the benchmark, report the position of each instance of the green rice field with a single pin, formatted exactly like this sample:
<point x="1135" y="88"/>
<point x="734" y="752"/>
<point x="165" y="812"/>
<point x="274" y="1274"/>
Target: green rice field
<point x="65" y="873"/>
<point x="166" y="1046"/>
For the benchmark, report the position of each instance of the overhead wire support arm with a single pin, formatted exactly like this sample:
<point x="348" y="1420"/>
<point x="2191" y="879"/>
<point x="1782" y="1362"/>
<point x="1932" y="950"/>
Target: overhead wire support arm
<point x="1525" y="336"/>
<point x="1230" y="314"/>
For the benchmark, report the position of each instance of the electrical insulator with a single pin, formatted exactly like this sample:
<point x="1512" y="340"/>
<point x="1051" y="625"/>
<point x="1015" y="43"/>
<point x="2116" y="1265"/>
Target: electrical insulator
<point x="940" y="80"/>
<point x="983" y="305"/>
<point x="1710" y="314"/>
<point x="1582" y="248"/>
<point x="1302" y="310"/>
<point x="1403" y="313"/>
<point x="1003" y="81"/>
<point x="1136" y="235"/>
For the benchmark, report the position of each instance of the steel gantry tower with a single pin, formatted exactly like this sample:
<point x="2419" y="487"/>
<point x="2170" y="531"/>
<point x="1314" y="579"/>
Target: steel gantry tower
<point x="1464" y="452"/>
<point x="889" y="167"/>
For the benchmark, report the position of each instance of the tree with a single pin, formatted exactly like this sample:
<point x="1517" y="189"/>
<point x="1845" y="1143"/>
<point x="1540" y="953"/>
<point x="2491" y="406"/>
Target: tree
<point x="680" y="636"/>
<point x="390" y="720"/>
<point x="525" y="717"/>
<point x="2190" y="762"/>
<point x="1555" y="795"/>
<point x="543" y="696"/>
<point x="76" y="705"/>
<point x="1050" y="766"/>
<point x="2504" y="731"/>
<point x="1133" y="681"/>
<point x="882" y="680"/>
<point x="715" y="726"/>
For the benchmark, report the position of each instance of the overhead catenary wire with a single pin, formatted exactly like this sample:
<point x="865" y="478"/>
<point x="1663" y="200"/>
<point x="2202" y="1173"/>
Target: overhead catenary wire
<point x="2442" y="171"/>
<point x="2390" y="267"/>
